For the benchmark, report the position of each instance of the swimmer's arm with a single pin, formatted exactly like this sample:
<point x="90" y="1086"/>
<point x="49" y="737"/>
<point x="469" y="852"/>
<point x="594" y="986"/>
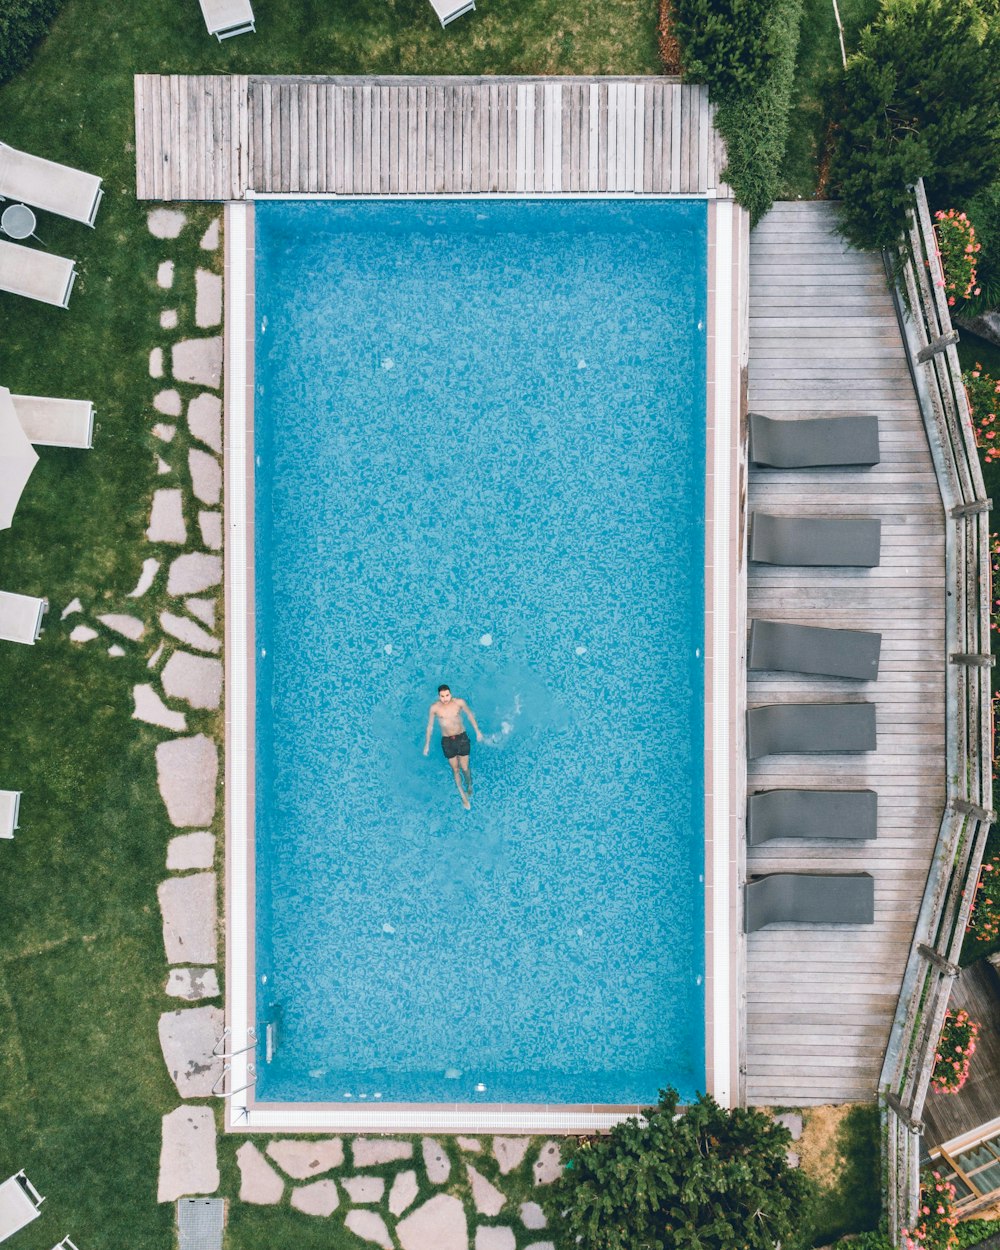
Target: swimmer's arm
<point x="430" y="729"/>
<point x="472" y="720"/>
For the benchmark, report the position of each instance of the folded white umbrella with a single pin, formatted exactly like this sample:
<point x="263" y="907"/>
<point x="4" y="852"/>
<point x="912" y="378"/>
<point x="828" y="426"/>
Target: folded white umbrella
<point x="17" y="459"/>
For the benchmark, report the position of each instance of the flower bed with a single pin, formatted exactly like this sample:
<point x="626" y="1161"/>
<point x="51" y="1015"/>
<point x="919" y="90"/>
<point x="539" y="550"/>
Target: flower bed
<point x="935" y="1229"/>
<point x="983" y="393"/>
<point x="954" y="1053"/>
<point x="957" y="248"/>
<point x="984" y="920"/>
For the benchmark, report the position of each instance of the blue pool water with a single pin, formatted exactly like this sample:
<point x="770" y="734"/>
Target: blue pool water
<point x="480" y="460"/>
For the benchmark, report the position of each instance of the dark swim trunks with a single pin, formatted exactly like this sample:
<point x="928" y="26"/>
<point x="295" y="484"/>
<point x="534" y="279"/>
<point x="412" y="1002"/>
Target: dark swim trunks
<point x="456" y="745"/>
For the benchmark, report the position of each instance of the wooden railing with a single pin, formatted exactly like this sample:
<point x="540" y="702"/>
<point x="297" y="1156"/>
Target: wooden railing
<point x="918" y="284"/>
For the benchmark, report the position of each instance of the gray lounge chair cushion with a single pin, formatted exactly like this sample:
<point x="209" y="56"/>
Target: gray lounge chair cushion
<point x="778" y="647"/>
<point x="810" y="729"/>
<point x="809" y="898"/>
<point x="811" y="814"/>
<point x="853" y="542"/>
<point x="813" y="442"/>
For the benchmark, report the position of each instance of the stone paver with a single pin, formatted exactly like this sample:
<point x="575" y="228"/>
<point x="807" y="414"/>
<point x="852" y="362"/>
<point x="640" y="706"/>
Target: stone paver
<point x="195" y="678"/>
<point x="165" y="431"/>
<point x="206" y="476"/>
<point x="156" y="363"/>
<point x="191" y="850"/>
<point x="82" y="633"/>
<point x="127" y="626"/>
<point x="472" y="1144"/>
<point x="185" y="630"/>
<point x="319" y="1198"/>
<point x="548" y="1165"/>
<point x="204" y="416"/>
<point x="792" y="1121"/>
<point x="150" y="568"/>
<point x="440" y="1223"/>
<point x="194" y="572"/>
<point x="74" y="605"/>
<point x="154" y="659"/>
<point x="259" y="1182"/>
<point x="168" y="319"/>
<point x="509" y="1152"/>
<point x="188" y="1160"/>
<point x="192" y="984"/>
<point x="364" y="1188"/>
<point x="210" y="524"/>
<point x="487" y="1198"/>
<point x="203" y="609"/>
<point x="495" y="1238"/>
<point x="188" y="907"/>
<point x="151" y="709"/>
<point x="166" y="518"/>
<point x="207" y="299"/>
<point x="187" y="770"/>
<point x="371" y="1227"/>
<point x="404" y="1190"/>
<point x="369" y="1152"/>
<point x="541" y="1245"/>
<point x="532" y="1215"/>
<point x="162" y="467"/>
<point x="165" y="275"/>
<point x="304" y="1159"/>
<point x="166" y="223"/>
<point x="168" y="402"/>
<point x="198" y="361"/>
<point x="115" y="651"/>
<point x="210" y="239"/>
<point x="186" y="1039"/>
<point x="436" y="1161"/>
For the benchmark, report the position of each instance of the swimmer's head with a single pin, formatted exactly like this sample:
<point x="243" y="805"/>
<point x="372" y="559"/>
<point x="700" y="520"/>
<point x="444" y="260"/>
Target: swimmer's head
<point x="444" y="694"/>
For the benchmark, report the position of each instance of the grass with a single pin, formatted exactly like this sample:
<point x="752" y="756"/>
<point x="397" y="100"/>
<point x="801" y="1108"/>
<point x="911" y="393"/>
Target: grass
<point x="849" y="1198"/>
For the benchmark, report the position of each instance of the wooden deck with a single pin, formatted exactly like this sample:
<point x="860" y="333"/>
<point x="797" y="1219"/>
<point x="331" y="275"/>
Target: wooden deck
<point x="229" y="137"/>
<point x="824" y="339"/>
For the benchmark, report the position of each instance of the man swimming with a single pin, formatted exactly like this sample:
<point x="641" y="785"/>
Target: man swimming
<point x="454" y="738"/>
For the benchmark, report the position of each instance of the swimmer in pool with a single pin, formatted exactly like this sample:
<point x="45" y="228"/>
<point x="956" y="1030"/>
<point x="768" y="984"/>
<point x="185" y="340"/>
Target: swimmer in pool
<point x="454" y="738"/>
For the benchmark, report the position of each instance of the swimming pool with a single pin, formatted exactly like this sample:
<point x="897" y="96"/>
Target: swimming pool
<point x="479" y="459"/>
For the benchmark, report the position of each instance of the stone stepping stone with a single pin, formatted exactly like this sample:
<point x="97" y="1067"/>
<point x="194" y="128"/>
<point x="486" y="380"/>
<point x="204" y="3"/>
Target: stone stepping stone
<point x="194" y="572"/>
<point x="541" y="1245"/>
<point x="364" y="1188"/>
<point x="532" y="1215"/>
<point x="166" y="223"/>
<point x="198" y="361"/>
<point x="259" y="1182"/>
<point x="548" y="1165"/>
<point x="162" y="467"/>
<point x="206" y="476"/>
<point x="404" y="1190"/>
<point x="203" y="609"/>
<point x="165" y="431"/>
<point x="149" y="707"/>
<point x="192" y="984"/>
<point x="168" y="319"/>
<point x="187" y="770"/>
<point x="165" y="275"/>
<point x="792" y="1121"/>
<point x="487" y="1198"/>
<point x="509" y="1152"/>
<point x="127" y="626"/>
<point x="210" y="524"/>
<point x="207" y="299"/>
<point x="155" y="657"/>
<point x="436" y="1161"/>
<point x="74" y="605"/>
<point x="204" y="417"/>
<point x="369" y="1152"/>
<point x="82" y="633"/>
<point x="440" y="1223"/>
<point x="188" y="1160"/>
<point x="319" y="1198"/>
<point x="168" y="402"/>
<point x="115" y="651"/>
<point x="304" y="1159"/>
<point x="188" y="907"/>
<point x="195" y="678"/>
<point x="185" y="630"/>
<point x="496" y="1238"/>
<point x="472" y="1144"/>
<point x="210" y="239"/>
<point x="150" y="568"/>
<point x="371" y="1227"/>
<point x="186" y="1039"/>
<point x="166" y="518"/>
<point x="191" y="850"/>
<point x="156" y="363"/>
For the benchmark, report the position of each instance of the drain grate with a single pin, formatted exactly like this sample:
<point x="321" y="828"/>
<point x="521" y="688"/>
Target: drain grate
<point x="199" y="1223"/>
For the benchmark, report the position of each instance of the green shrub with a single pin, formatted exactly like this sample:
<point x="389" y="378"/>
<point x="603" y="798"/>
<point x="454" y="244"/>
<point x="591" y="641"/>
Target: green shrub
<point x="972" y="1232"/>
<point x="984" y="212"/>
<point x="22" y="24"/>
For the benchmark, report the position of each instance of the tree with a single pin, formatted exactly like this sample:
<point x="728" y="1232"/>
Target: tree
<point x="707" y="1179"/>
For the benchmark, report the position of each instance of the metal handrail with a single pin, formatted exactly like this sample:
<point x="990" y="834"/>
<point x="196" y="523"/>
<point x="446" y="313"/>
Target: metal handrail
<point x="219" y="1052"/>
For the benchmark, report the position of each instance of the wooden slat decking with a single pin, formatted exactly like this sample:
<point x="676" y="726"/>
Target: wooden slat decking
<point x="824" y="339"/>
<point x="220" y="137"/>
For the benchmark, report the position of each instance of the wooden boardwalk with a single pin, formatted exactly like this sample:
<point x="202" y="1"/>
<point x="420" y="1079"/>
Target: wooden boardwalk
<point x="824" y="339"/>
<point x="228" y="137"/>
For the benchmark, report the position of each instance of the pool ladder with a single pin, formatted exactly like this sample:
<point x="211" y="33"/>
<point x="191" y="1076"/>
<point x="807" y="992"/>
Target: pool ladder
<point x="219" y="1052"/>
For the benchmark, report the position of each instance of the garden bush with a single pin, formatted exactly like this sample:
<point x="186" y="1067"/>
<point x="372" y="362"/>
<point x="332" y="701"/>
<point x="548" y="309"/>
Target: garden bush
<point x="984" y="210"/>
<point x="984" y="922"/>
<point x="983" y="393"/>
<point x="955" y="1049"/>
<point x="956" y="237"/>
<point x="22" y="24"/>
<point x="935" y="1228"/>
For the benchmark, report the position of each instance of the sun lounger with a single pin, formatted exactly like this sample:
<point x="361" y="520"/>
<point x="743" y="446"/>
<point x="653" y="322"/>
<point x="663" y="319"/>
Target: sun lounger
<point x="35" y="274"/>
<point x="225" y="18"/>
<point x="808" y="898"/>
<point x="10" y="805"/>
<point x="778" y="647"/>
<point x="810" y="729"/>
<point x="19" y="1204"/>
<point x="813" y="442"/>
<point x="48" y="185"/>
<point x="448" y="10"/>
<point x="21" y="617"/>
<point x="56" y="422"/>
<point x="65" y="1244"/>
<point x="849" y="542"/>
<point x="811" y="814"/>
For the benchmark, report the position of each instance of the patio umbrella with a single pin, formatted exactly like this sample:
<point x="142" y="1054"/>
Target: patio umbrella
<point x="17" y="459"/>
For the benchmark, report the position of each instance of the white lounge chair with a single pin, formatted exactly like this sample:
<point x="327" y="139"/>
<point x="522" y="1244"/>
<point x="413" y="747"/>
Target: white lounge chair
<point x="65" y="1244"/>
<point x="10" y="805"/>
<point x="48" y="185"/>
<point x="19" y="1204"/>
<point x="225" y="18"/>
<point x="55" y="422"/>
<point x="36" y="274"/>
<point x="21" y="617"/>
<point x="448" y="10"/>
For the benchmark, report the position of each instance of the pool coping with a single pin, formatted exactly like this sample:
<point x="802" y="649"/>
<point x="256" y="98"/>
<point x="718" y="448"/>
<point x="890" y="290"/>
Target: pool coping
<point x="724" y="697"/>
